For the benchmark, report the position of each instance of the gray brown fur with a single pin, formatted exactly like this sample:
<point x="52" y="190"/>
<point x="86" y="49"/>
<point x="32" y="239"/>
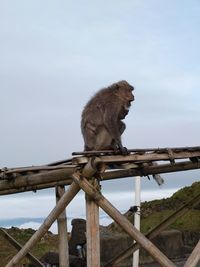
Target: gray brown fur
<point x="101" y="123"/>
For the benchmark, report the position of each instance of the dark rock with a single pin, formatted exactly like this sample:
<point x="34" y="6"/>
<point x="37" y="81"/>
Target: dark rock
<point x="78" y="235"/>
<point x="76" y="261"/>
<point x="170" y="242"/>
<point x="113" y="244"/>
<point x="50" y="258"/>
<point x="190" y="238"/>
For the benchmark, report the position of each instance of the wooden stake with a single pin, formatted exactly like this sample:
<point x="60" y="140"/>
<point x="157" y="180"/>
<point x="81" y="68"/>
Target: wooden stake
<point x="61" y="205"/>
<point x="93" y="236"/>
<point x="62" y="232"/>
<point x="122" y="221"/>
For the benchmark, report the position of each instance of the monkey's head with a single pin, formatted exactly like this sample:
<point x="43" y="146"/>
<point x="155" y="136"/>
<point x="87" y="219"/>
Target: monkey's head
<point x="124" y="92"/>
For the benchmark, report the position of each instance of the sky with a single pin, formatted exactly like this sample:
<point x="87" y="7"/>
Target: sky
<point x="56" y="54"/>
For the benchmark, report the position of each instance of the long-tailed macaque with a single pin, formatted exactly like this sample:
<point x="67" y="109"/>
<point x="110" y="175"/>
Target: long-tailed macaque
<point x="101" y="123"/>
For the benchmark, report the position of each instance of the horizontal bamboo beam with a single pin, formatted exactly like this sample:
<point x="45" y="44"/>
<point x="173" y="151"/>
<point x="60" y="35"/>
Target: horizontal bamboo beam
<point x="23" y="181"/>
<point x="154" y="232"/>
<point x="7" y="173"/>
<point x="122" y="221"/>
<point x="137" y="157"/>
<point x="136" y="150"/>
<point x="59" y="208"/>
<point x="15" y="172"/>
<point x="18" y="246"/>
<point x="54" y="178"/>
<point x="149" y="170"/>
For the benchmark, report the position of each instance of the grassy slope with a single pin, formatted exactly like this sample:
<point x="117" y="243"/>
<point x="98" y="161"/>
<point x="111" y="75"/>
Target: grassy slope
<point x="49" y="242"/>
<point x="154" y="212"/>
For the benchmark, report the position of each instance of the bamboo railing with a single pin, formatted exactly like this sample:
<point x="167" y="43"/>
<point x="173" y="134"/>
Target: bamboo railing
<point x="84" y="171"/>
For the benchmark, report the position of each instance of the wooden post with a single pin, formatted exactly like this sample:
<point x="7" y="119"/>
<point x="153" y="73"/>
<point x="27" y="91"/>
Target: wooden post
<point x="92" y="229"/>
<point x="62" y="232"/>
<point x="122" y="221"/>
<point x="61" y="205"/>
<point x="136" y="254"/>
<point x="194" y="258"/>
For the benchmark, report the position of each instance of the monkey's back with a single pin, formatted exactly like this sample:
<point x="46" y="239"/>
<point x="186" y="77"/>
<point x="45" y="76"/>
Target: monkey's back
<point x="96" y="106"/>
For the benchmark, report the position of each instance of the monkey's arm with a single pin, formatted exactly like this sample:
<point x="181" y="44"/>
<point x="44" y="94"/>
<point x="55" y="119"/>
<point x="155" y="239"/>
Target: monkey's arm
<point x="114" y="126"/>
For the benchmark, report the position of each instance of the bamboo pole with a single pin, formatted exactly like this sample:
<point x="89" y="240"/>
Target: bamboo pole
<point x="122" y="221"/>
<point x="34" y="188"/>
<point x="194" y="258"/>
<point x="32" y="169"/>
<point x="155" y="231"/>
<point x="18" y="246"/>
<point x="93" y="235"/>
<point x="21" y="182"/>
<point x="62" y="232"/>
<point x="141" y="157"/>
<point x="61" y="205"/>
<point x="136" y="150"/>
<point x="148" y="170"/>
<point x="50" y="179"/>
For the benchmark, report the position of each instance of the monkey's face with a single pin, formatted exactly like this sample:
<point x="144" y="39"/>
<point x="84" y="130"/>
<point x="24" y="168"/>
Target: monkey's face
<point x="125" y="93"/>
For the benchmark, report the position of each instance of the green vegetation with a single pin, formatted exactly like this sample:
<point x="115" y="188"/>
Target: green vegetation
<point x="48" y="243"/>
<point x="188" y="222"/>
<point x="156" y="211"/>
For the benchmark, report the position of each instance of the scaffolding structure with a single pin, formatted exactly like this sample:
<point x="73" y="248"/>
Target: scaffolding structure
<point x="85" y="171"/>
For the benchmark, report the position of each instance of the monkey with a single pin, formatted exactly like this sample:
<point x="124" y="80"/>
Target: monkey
<point x="101" y="122"/>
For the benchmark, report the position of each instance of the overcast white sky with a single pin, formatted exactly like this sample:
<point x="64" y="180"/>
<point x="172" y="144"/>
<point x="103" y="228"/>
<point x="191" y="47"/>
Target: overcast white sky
<point x="55" y="54"/>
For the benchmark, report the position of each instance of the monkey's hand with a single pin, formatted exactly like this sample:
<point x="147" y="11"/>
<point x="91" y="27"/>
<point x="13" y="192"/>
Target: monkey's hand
<point x="123" y="150"/>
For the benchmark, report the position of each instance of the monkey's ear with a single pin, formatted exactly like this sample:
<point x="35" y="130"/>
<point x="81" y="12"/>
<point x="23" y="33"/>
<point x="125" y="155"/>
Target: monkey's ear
<point x="116" y="87"/>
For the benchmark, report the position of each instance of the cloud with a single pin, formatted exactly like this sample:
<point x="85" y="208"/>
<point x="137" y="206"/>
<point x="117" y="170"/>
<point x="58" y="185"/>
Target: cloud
<point x="122" y="201"/>
<point x="35" y="226"/>
<point x="39" y="206"/>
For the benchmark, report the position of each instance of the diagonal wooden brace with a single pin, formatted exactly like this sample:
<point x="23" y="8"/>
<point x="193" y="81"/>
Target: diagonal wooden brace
<point x="58" y="209"/>
<point x="155" y="231"/>
<point x="194" y="258"/>
<point x="122" y="221"/>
